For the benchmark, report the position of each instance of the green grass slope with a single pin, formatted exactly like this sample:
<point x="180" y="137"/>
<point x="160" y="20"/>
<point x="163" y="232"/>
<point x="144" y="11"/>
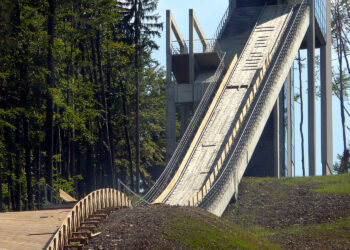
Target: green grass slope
<point x="296" y="213"/>
<point x="200" y="230"/>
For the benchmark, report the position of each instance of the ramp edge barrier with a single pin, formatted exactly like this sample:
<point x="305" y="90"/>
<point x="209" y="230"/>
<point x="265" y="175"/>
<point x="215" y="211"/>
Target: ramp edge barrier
<point x="95" y="201"/>
<point x="276" y="62"/>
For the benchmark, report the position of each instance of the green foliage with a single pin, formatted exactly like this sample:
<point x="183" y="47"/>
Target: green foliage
<point x="336" y="166"/>
<point x="67" y="185"/>
<point x="79" y="114"/>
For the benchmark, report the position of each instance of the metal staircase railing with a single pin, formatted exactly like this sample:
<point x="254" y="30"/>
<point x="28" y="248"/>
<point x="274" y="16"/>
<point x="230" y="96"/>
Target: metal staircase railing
<point x="222" y="24"/>
<point x="136" y="199"/>
<point x="227" y="171"/>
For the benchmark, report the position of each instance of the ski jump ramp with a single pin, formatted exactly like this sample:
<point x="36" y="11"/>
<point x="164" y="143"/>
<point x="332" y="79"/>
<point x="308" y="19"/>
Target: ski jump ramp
<point x="213" y="154"/>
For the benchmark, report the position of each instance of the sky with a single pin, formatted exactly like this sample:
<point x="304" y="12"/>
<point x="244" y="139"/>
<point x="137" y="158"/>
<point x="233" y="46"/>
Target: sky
<point x="209" y="14"/>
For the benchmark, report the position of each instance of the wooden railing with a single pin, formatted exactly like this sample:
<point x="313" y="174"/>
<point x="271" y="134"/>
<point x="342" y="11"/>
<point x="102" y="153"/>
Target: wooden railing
<point x="210" y="181"/>
<point x="97" y="200"/>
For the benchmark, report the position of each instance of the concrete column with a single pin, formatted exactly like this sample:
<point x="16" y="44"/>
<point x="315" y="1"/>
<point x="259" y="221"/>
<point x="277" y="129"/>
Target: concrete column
<point x="311" y="90"/>
<point x="326" y="99"/>
<point x="282" y="134"/>
<point x="232" y="4"/>
<point x="185" y="116"/>
<point x="289" y="125"/>
<point x="170" y="94"/>
<point x="276" y="142"/>
<point x="191" y="52"/>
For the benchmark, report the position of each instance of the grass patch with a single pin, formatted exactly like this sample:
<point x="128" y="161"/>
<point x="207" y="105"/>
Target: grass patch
<point x="332" y="184"/>
<point x="257" y="180"/>
<point x="339" y="228"/>
<point x="210" y="232"/>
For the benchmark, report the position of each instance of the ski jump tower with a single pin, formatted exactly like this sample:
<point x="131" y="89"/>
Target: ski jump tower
<point x="193" y="64"/>
<point x="238" y="91"/>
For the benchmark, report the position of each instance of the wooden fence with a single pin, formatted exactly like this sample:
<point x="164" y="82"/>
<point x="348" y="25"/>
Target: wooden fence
<point x="97" y="200"/>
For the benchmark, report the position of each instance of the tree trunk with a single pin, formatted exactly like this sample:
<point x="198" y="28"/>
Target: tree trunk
<point x="137" y="120"/>
<point x="23" y="75"/>
<point x="339" y="48"/>
<point x="89" y="176"/>
<point x="49" y="99"/>
<point x="78" y="171"/>
<point x="301" y="114"/>
<point x="38" y="175"/>
<point x="28" y="168"/>
<point x="9" y="149"/>
<point x="1" y="209"/>
<point x="18" y="167"/>
<point x="127" y="137"/>
<point x="109" y="115"/>
<point x="105" y="109"/>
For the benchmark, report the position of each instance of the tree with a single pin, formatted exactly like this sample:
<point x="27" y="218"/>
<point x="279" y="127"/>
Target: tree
<point x="67" y="100"/>
<point x="340" y="26"/>
<point x="50" y="85"/>
<point x="300" y="66"/>
<point x="136" y="12"/>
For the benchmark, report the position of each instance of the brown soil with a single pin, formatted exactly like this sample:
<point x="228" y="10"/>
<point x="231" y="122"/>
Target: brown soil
<point x="164" y="227"/>
<point x="135" y="228"/>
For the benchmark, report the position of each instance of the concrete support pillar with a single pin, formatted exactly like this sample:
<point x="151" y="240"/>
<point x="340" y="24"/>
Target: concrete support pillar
<point x="282" y="134"/>
<point x="232" y="4"/>
<point x="170" y="94"/>
<point x="276" y="143"/>
<point x="311" y="90"/>
<point x="191" y="52"/>
<point x="289" y="125"/>
<point x="326" y="99"/>
<point x="185" y="116"/>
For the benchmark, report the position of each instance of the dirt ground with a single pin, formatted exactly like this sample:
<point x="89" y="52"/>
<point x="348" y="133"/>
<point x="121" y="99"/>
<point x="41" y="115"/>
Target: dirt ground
<point x="164" y="227"/>
<point x="136" y="228"/>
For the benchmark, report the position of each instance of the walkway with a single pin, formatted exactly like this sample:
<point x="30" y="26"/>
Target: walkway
<point x="29" y="229"/>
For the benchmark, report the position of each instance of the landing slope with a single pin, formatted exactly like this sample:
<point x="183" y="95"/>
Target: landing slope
<point x="297" y="213"/>
<point x="164" y="227"/>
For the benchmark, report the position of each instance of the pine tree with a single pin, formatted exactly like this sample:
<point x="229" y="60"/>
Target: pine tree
<point x="136" y="12"/>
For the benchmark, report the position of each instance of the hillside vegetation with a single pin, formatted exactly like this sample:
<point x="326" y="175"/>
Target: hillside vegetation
<point x="296" y="213"/>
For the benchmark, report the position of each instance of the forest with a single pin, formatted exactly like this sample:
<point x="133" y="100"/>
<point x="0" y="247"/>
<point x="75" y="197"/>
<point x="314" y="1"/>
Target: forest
<point x="82" y="102"/>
